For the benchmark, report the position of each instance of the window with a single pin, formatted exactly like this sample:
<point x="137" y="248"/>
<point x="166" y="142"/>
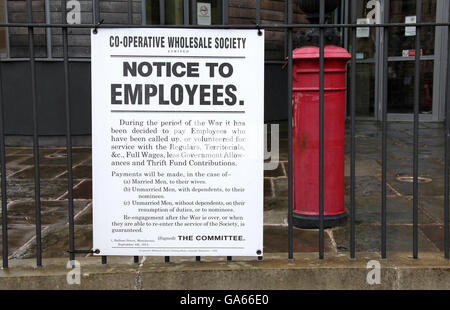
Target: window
<point x="207" y="12"/>
<point x="398" y="40"/>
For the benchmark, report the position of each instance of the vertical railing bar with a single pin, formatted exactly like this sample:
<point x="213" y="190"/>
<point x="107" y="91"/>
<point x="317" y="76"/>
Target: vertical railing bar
<point x="416" y="135"/>
<point x="3" y="179"/>
<point x="378" y="68"/>
<point x="5" y="4"/>
<point x="342" y="14"/>
<point x="48" y="31"/>
<point x="130" y="12"/>
<point x="93" y="11"/>
<point x="194" y="12"/>
<point x="186" y="12"/>
<point x="384" y="131"/>
<point x="225" y="12"/>
<point x="143" y="12"/>
<point x="68" y="134"/>
<point x="37" y="190"/>
<point x="447" y="156"/>
<point x="290" y="163"/>
<point x="286" y="21"/>
<point x="352" y="134"/>
<point x="162" y="21"/>
<point x="258" y="22"/>
<point x="258" y="12"/>
<point x="321" y="129"/>
<point x="346" y="16"/>
<point x="345" y="43"/>
<point x="3" y="153"/>
<point x="96" y="5"/>
<point x="162" y="12"/>
<point x="64" y="12"/>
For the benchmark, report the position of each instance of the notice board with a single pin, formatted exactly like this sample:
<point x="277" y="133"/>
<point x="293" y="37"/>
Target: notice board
<point x="177" y="142"/>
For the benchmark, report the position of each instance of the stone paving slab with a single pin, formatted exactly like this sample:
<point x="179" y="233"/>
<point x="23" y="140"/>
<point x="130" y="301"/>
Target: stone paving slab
<point x="43" y="151"/>
<point x="399" y="239"/>
<point x="59" y="158"/>
<point x="435" y="234"/>
<point x="18" y="236"/>
<point x="304" y="240"/>
<point x="429" y="167"/>
<point x="55" y="242"/>
<point x="24" y="189"/>
<point x="433" y="189"/>
<point x="276" y="173"/>
<point x="367" y="186"/>
<point x="82" y="190"/>
<point x="275" y="211"/>
<point x="281" y="187"/>
<point x="79" y="172"/>
<point x="399" y="211"/>
<point x="13" y="164"/>
<point x="52" y="211"/>
<point x="434" y="207"/>
<point x="364" y="167"/>
<point x="45" y="172"/>
<point x="85" y="216"/>
<point x="22" y="219"/>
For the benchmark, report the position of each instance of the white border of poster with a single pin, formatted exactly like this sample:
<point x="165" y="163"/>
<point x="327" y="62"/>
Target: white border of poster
<point x="177" y="142"/>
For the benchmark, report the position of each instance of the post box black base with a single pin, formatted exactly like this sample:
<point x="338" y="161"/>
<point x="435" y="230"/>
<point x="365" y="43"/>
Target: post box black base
<point x="312" y="221"/>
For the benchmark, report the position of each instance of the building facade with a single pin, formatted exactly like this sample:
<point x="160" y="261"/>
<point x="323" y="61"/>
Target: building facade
<point x="15" y="53"/>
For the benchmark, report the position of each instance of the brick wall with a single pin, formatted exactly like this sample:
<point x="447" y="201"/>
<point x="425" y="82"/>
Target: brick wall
<point x="116" y="11"/>
<point x="111" y="11"/>
<point x="272" y="12"/>
<point x="18" y="37"/>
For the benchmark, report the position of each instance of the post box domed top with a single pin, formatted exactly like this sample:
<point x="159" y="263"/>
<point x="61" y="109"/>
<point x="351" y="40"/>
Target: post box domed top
<point x="312" y="52"/>
<point x="313" y="6"/>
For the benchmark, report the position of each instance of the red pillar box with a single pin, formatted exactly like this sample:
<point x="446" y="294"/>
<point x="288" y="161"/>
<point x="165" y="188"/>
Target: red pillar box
<point x="306" y="135"/>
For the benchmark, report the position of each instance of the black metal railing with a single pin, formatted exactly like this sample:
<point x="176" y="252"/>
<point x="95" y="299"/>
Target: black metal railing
<point x="288" y="27"/>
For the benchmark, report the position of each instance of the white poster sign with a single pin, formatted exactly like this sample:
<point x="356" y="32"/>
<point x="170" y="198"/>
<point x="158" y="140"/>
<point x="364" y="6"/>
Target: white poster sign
<point x="410" y="31"/>
<point x="177" y="142"/>
<point x="203" y="13"/>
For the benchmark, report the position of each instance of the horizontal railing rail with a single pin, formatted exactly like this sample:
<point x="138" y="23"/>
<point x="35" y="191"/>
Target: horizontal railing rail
<point x="229" y="26"/>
